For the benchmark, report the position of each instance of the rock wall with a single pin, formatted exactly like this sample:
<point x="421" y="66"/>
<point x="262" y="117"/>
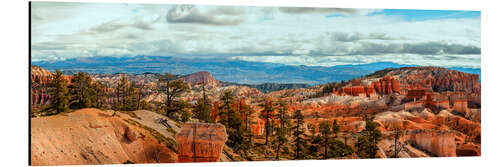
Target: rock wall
<point x="201" y="77"/>
<point x="92" y="136"/>
<point x="439" y="143"/>
<point x="438" y="79"/>
<point x="384" y="86"/>
<point x="200" y="142"/>
<point x="40" y="81"/>
<point x="460" y="106"/>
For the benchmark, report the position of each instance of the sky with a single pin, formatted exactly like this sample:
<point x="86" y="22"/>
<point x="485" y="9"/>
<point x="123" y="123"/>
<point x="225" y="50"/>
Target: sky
<point x="286" y="35"/>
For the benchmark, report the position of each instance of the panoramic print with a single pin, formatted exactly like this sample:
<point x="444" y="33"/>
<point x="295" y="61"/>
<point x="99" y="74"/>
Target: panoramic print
<point x="118" y="83"/>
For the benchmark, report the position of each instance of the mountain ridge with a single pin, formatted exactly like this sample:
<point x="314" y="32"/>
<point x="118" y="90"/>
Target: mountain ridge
<point x="235" y="71"/>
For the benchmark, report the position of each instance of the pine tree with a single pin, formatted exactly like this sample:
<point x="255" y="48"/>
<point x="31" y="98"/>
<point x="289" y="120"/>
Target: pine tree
<point x="299" y="133"/>
<point x="335" y="128"/>
<point x="121" y="90"/>
<point x="60" y="93"/>
<point x="202" y="107"/>
<point x="233" y="122"/>
<point x="325" y="130"/>
<point x="131" y="98"/>
<point x="225" y="110"/>
<point x="202" y="110"/>
<point x="84" y="94"/>
<point x="101" y="94"/>
<point x="397" y="147"/>
<point x="282" y="130"/>
<point x="172" y="88"/>
<point x="267" y="114"/>
<point x="367" y="142"/>
<point x="248" y="112"/>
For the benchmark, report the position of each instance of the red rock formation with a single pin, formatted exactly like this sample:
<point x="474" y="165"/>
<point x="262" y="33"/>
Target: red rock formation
<point x="384" y="86"/>
<point x="91" y="136"/>
<point x="437" y="79"/>
<point x="387" y="85"/>
<point x="40" y="81"/>
<point x="200" y="142"/>
<point x="411" y="105"/>
<point x="460" y="106"/>
<point x="201" y="77"/>
<point x="468" y="149"/>
<point x="41" y="86"/>
<point x="439" y="143"/>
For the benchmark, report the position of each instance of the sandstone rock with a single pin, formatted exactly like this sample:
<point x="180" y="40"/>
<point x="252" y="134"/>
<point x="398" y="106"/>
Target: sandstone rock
<point x="437" y="79"/>
<point x="384" y="86"/>
<point x="130" y="134"/>
<point x="69" y="140"/>
<point x="201" y="77"/>
<point x="200" y="142"/>
<point x="468" y="149"/>
<point x="439" y="143"/>
<point x="460" y="106"/>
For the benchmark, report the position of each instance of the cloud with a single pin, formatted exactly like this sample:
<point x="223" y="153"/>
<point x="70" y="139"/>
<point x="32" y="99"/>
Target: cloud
<point x="298" y="36"/>
<point x="425" y="48"/>
<point x="346" y="37"/>
<point x="115" y="25"/>
<point x="467" y="61"/>
<point x="222" y="16"/>
<point x="108" y="27"/>
<point x="307" y="10"/>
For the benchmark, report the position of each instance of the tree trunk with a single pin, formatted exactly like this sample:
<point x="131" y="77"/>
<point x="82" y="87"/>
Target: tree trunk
<point x="326" y="149"/>
<point x="278" y="152"/>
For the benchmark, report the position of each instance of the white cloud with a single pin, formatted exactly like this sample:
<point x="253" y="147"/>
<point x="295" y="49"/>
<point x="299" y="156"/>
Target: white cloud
<point x="264" y="34"/>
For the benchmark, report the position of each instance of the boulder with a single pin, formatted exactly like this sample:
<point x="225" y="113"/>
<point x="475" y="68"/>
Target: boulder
<point x="468" y="149"/>
<point x="201" y="142"/>
<point x="130" y="134"/>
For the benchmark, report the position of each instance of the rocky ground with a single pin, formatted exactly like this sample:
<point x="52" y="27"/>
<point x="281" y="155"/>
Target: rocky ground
<point x="438" y="111"/>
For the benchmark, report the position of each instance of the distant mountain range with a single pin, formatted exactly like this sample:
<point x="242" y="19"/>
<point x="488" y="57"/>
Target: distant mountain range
<point x="233" y="71"/>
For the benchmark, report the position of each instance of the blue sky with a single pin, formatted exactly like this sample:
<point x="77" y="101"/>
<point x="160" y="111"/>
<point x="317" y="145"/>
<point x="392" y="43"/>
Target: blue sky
<point x="287" y="35"/>
<point x="421" y="15"/>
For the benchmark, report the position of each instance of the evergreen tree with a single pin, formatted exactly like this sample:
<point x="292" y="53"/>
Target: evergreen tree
<point x="225" y="110"/>
<point x="335" y="128"/>
<point x="325" y="130"/>
<point x="84" y="94"/>
<point x="248" y="117"/>
<point x="298" y="134"/>
<point x="267" y="114"/>
<point x="202" y="110"/>
<point x="121" y="90"/>
<point x="131" y="98"/>
<point x="101" y="94"/>
<point x="367" y="142"/>
<point x="60" y="93"/>
<point x="282" y="130"/>
<point x="397" y="147"/>
<point x="339" y="149"/>
<point x="233" y="122"/>
<point x="202" y="107"/>
<point x="172" y="88"/>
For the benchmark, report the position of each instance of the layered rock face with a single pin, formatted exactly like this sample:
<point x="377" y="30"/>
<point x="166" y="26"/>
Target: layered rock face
<point x="384" y="86"/>
<point x="41" y="80"/>
<point x="201" y="77"/>
<point x="200" y="142"/>
<point x="438" y="79"/>
<point x="439" y="143"/>
<point x="40" y="85"/>
<point x="92" y="136"/>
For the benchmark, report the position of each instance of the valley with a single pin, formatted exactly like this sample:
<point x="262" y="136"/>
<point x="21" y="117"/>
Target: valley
<point x="409" y="111"/>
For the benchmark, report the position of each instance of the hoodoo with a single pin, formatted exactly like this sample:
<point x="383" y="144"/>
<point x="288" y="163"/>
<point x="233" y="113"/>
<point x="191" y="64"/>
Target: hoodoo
<point x="201" y="142"/>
